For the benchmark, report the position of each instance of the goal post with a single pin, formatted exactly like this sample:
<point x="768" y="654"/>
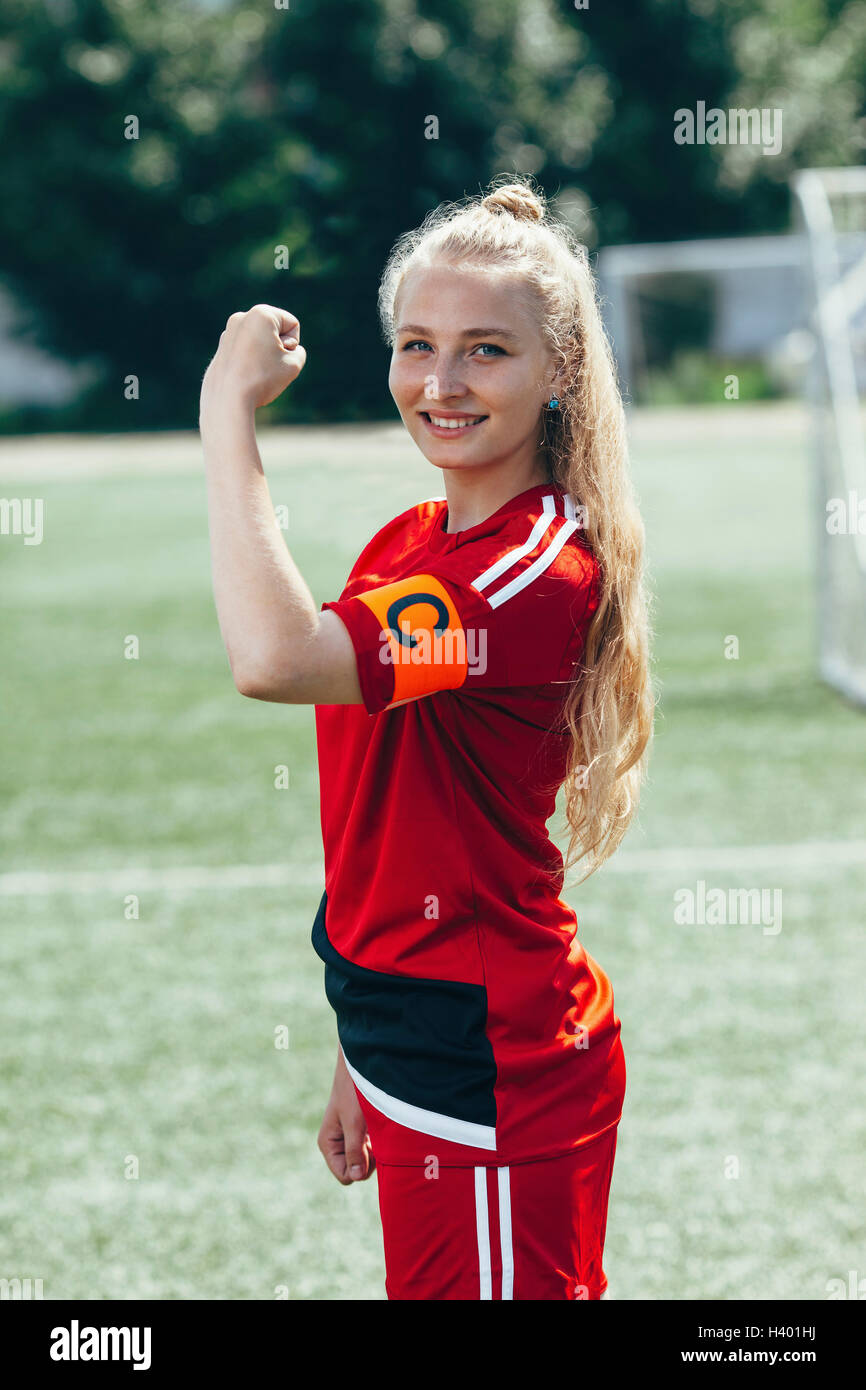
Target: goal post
<point x="830" y="209"/>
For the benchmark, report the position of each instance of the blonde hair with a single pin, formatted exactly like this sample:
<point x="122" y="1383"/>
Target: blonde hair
<point x="609" y="706"/>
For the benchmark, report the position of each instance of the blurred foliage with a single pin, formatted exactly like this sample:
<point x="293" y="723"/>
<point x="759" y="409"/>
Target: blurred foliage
<point x="307" y="128"/>
<point x="696" y="377"/>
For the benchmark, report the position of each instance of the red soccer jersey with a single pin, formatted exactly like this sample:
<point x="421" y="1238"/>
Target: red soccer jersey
<point x="474" y="1025"/>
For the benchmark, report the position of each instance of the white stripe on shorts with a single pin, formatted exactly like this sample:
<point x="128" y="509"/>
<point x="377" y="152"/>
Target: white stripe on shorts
<point x="482" y="1228"/>
<point x="505" y="1234"/>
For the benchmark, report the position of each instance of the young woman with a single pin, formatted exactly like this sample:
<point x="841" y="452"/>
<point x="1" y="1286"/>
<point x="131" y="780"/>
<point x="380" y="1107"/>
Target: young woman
<point x="489" y="648"/>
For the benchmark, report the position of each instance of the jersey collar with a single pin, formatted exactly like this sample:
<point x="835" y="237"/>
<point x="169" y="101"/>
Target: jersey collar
<point x="440" y="541"/>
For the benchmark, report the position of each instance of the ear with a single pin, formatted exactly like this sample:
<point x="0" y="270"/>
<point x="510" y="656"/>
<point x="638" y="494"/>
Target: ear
<point x="561" y="366"/>
<point x="553" y="387"/>
<point x="555" y="381"/>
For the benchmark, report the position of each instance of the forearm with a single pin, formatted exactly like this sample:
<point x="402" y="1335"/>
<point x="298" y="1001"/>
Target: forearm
<point x="267" y="615"/>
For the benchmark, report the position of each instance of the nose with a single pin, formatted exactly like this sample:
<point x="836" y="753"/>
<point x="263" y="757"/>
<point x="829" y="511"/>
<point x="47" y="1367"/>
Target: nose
<point x="446" y="382"/>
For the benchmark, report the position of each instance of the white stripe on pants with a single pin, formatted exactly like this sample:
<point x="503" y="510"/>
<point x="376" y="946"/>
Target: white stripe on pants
<point x="482" y="1226"/>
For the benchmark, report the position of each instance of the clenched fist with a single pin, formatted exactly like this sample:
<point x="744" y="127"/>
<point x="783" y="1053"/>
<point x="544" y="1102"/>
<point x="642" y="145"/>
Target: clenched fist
<point x="259" y="355"/>
<point x="343" y="1139"/>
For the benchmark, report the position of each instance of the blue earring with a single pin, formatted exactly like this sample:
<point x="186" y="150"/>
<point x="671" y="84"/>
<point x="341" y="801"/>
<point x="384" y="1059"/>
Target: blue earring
<point x="553" y="403"/>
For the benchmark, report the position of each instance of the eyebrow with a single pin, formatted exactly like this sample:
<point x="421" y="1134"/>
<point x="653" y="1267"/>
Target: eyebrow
<point x="467" y="333"/>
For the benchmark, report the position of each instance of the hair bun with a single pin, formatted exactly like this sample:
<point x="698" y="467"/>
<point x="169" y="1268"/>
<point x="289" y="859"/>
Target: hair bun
<point x="516" y="199"/>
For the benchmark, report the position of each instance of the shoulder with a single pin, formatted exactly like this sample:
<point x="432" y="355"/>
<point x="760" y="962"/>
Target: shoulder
<point x="549" y="527"/>
<point x="538" y="552"/>
<point x="413" y="522"/>
<point x="419" y="515"/>
<point x="392" y="538"/>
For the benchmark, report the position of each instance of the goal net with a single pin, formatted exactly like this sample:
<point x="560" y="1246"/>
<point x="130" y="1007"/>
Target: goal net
<point x="831" y="211"/>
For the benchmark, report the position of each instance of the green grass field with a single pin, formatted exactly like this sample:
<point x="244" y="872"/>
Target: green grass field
<point x="153" y="1038"/>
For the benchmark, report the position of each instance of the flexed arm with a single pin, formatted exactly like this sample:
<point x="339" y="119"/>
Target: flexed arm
<point x="280" y="647"/>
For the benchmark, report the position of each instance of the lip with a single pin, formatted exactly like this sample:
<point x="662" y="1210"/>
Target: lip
<point x="446" y="432"/>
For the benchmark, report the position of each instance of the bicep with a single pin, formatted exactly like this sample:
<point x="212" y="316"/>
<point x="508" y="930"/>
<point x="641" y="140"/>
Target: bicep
<point x="325" y="674"/>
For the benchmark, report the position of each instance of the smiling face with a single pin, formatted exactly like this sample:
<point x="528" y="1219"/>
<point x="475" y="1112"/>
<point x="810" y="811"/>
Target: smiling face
<point x="471" y="371"/>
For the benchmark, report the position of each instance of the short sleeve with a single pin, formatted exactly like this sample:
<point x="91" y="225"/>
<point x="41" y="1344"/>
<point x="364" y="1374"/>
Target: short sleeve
<point x="435" y="630"/>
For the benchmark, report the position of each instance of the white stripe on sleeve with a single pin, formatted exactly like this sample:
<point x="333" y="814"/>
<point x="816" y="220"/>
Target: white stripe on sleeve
<point x="511" y="557"/>
<point x="537" y="567"/>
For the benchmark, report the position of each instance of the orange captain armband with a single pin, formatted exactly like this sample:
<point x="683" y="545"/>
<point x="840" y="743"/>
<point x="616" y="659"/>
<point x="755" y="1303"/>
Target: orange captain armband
<point x="422" y="636"/>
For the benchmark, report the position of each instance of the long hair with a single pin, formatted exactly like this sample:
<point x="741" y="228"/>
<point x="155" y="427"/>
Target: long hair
<point x="609" y="706"/>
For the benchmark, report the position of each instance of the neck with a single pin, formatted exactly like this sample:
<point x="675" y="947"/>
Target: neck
<point x="476" y="493"/>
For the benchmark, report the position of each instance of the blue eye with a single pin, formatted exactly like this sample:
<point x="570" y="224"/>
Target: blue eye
<point x="493" y="348"/>
<point x="415" y="343"/>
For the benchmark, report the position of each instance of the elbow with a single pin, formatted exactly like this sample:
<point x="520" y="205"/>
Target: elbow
<point x="261" y="681"/>
<point x="252" y="678"/>
<point x="251" y="685"/>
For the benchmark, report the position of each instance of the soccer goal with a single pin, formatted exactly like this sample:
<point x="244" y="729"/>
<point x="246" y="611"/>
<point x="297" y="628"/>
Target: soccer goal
<point x="831" y="210"/>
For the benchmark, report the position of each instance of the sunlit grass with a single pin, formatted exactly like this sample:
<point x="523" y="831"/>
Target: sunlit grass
<point x="151" y="1038"/>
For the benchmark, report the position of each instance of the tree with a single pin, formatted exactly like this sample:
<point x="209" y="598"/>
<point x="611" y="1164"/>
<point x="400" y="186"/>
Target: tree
<point x="328" y="129"/>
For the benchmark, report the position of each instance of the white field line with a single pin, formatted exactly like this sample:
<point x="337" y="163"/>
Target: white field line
<point x="39" y="458"/>
<point x="181" y="878"/>
<point x="808" y="856"/>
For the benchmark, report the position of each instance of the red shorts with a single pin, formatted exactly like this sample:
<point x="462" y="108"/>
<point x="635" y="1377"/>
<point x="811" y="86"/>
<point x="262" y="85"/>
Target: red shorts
<point x="531" y="1231"/>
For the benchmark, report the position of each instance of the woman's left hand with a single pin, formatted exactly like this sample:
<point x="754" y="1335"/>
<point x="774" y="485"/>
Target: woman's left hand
<point x="259" y="355"/>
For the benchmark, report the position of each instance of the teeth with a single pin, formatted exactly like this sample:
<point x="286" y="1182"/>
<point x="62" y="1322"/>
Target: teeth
<point x="447" y="424"/>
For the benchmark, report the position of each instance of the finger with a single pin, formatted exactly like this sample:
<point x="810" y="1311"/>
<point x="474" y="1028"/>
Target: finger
<point x="332" y="1149"/>
<point x="290" y="337"/>
<point x="295" y="358"/>
<point x="371" y="1163"/>
<point x="285" y="322"/>
<point x="358" y="1153"/>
